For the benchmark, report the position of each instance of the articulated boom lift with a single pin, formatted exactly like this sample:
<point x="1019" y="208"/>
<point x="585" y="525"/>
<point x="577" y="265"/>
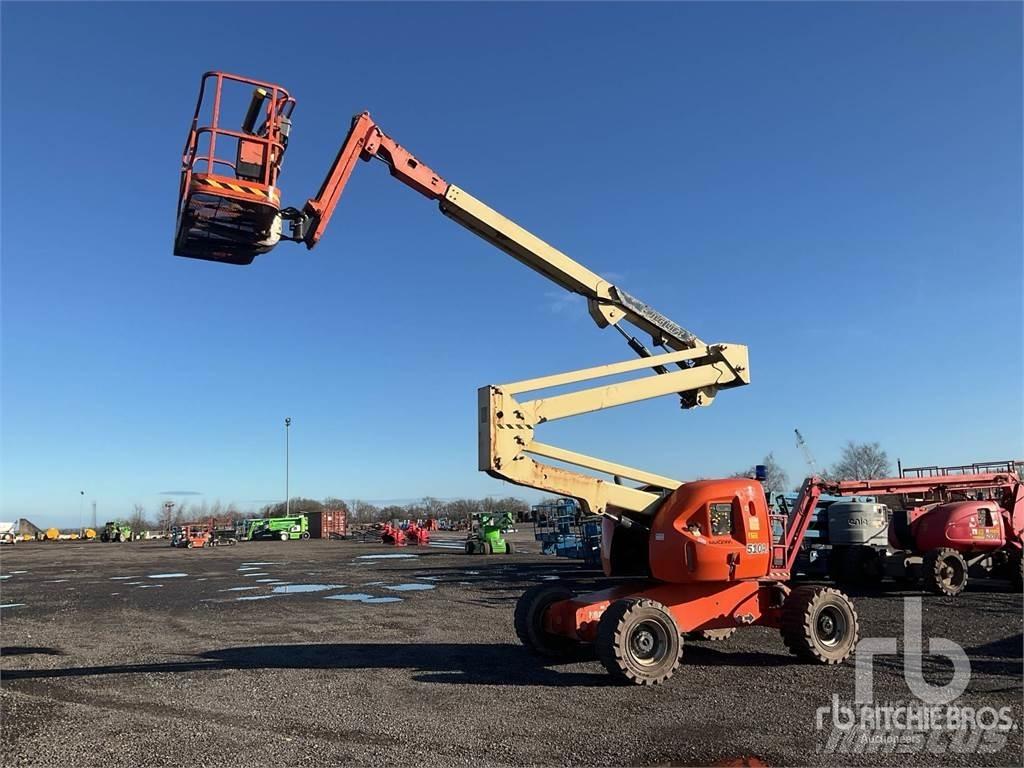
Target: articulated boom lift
<point x="705" y="550"/>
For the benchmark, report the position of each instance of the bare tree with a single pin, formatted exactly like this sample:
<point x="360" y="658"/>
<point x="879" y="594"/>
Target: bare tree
<point x="390" y="512"/>
<point x="166" y="517"/>
<point x="137" y="521"/>
<point x="363" y="511"/>
<point x="776" y="478"/>
<point x="861" y="461"/>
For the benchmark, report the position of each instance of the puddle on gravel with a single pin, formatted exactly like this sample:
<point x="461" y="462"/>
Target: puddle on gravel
<point x="385" y="557"/>
<point x="237" y="589"/>
<point x="168" y="575"/>
<point x="19" y="572"/>
<point x="149" y="586"/>
<point x="12" y="605"/>
<point x="124" y="578"/>
<point x="268" y="581"/>
<point x="5" y="576"/>
<point x="255" y="597"/>
<point x="264" y="573"/>
<point x="114" y="594"/>
<point x="372" y="583"/>
<point x="411" y="587"/>
<point x="360" y="597"/>
<point x="133" y="583"/>
<point x="290" y="589"/>
<point x="549" y="578"/>
<point x="246" y="565"/>
<point x="57" y="581"/>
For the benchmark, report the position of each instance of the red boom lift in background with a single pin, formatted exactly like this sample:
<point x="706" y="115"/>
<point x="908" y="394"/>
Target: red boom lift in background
<point x="949" y="533"/>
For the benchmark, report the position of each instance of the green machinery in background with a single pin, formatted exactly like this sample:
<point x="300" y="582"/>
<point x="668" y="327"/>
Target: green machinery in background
<point x="283" y="528"/>
<point x="116" y="531"/>
<point x="485" y="533"/>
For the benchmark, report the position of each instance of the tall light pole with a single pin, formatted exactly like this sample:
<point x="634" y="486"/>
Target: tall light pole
<point x="81" y="501"/>
<point x="287" y="496"/>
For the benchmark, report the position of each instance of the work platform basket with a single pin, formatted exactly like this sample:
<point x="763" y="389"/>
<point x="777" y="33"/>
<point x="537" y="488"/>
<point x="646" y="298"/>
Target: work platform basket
<point x="228" y="201"/>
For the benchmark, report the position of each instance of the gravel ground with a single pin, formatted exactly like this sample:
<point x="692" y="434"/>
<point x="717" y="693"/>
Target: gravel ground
<point x="113" y="659"/>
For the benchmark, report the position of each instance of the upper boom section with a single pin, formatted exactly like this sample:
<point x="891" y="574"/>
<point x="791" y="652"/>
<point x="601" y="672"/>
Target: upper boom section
<point x="607" y="303"/>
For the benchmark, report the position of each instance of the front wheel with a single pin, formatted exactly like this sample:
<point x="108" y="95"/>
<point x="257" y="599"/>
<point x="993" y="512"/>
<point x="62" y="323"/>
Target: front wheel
<point x="639" y="642"/>
<point x="819" y="624"/>
<point x="508" y="548"/>
<point x="945" y="572"/>
<point x="529" y="621"/>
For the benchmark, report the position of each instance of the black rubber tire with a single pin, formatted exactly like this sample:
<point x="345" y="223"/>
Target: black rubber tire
<point x="284" y="536"/>
<point x="944" y="572"/>
<point x="104" y="538"/>
<point x="712" y="635"/>
<point x="529" y="621"/>
<point x="470" y="548"/>
<point x="819" y="625"/>
<point x="1016" y="570"/>
<point x="630" y="629"/>
<point x="488" y="549"/>
<point x="509" y="549"/>
<point x="188" y="545"/>
<point x="303" y="536"/>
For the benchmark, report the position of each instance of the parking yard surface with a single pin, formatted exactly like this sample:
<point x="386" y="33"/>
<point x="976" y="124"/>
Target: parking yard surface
<point x="323" y="653"/>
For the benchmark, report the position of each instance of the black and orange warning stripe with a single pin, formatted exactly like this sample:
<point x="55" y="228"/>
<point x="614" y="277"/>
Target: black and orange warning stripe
<point x="271" y="194"/>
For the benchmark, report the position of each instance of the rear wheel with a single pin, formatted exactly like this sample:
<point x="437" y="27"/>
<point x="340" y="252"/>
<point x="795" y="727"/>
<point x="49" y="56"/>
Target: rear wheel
<point x="488" y="549"/>
<point x="304" y="536"/>
<point x="529" y="621"/>
<point x="945" y="572"/>
<point x="638" y="641"/>
<point x="819" y="624"/>
<point x="508" y="548"/>
<point x="284" y="536"/>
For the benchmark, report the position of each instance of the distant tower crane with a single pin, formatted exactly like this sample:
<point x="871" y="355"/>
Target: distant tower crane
<point x="808" y="456"/>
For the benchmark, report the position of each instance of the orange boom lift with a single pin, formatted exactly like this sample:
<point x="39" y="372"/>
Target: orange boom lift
<point x="707" y="557"/>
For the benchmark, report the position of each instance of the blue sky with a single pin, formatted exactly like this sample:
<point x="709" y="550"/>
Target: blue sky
<point x="838" y="186"/>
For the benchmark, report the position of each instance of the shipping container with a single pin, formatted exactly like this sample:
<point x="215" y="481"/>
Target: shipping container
<point x="328" y="524"/>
